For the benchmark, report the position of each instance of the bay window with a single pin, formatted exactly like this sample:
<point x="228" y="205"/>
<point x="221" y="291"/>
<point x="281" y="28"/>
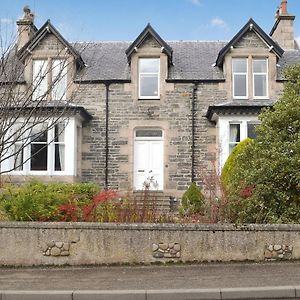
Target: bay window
<point x="41" y="149"/>
<point x="149" y="78"/>
<point x="233" y="130"/>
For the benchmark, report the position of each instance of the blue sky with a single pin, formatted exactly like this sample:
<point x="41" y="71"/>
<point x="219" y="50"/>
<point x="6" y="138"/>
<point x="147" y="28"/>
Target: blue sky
<point x="96" y="20"/>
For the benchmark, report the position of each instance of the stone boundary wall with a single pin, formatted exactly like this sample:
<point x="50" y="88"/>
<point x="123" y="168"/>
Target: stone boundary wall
<point x="262" y="293"/>
<point x="33" y="243"/>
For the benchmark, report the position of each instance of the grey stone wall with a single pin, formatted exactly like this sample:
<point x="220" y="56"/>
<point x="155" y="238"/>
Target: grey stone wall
<point x="30" y="243"/>
<point x="250" y="40"/>
<point x="175" y="111"/>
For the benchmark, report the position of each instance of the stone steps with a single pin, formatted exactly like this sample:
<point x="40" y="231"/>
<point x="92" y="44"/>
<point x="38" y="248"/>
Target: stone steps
<point x="157" y="200"/>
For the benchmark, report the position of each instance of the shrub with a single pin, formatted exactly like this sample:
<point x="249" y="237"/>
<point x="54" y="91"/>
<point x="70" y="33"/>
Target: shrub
<point x="233" y="166"/>
<point x="192" y="201"/>
<point x="37" y="201"/>
<point x="266" y="188"/>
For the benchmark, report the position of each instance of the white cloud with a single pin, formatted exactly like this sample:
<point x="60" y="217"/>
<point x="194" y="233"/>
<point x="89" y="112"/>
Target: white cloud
<point x="6" y="21"/>
<point x="196" y="2"/>
<point x="218" y="22"/>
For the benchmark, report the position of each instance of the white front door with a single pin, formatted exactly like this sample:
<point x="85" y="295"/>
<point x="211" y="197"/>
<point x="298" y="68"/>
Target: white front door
<point x="148" y="159"/>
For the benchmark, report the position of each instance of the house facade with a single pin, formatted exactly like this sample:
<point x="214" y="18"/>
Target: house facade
<point x="170" y="111"/>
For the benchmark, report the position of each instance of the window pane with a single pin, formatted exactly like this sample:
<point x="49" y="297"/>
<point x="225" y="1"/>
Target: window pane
<point x="59" y="157"/>
<point x="235" y="135"/>
<point x="18" y="157"/>
<point x="260" y="66"/>
<point x="59" y="79"/>
<point x="260" y="85"/>
<point x="240" y="85"/>
<point x="59" y="133"/>
<point x="239" y="65"/>
<point x="39" y="133"/>
<point x="148" y="133"/>
<point x="251" y="131"/>
<point x="149" y="86"/>
<point x="38" y="154"/>
<point x="39" y="79"/>
<point x="149" y="65"/>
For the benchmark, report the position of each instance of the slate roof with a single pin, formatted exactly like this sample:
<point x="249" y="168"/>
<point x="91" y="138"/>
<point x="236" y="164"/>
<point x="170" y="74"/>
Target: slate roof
<point x="290" y="57"/>
<point x="238" y="107"/>
<point x="192" y="60"/>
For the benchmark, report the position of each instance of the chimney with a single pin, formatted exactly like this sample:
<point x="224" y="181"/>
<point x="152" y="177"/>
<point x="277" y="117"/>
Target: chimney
<point x="26" y="28"/>
<point x="283" y="29"/>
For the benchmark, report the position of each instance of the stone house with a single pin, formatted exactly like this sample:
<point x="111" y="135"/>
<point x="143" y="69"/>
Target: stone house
<point x="171" y="110"/>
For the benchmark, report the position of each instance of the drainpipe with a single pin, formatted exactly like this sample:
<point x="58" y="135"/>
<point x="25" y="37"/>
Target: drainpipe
<point x="194" y="94"/>
<point x="107" y="84"/>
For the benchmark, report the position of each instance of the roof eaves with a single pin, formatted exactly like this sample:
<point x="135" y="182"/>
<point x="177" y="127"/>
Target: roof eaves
<point x="217" y="109"/>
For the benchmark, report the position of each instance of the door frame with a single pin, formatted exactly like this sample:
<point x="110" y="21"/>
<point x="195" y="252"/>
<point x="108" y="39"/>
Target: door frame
<point x="148" y="138"/>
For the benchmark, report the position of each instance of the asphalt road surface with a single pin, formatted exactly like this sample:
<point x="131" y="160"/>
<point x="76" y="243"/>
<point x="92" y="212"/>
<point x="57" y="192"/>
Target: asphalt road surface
<point x="196" y="276"/>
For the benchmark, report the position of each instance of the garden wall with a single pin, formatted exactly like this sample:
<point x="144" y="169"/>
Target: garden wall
<point x="31" y="243"/>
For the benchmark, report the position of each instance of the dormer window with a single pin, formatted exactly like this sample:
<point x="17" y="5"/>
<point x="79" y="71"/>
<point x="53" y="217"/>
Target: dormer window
<point x="250" y="78"/>
<point x="240" y="78"/>
<point x="260" y="78"/>
<point x="149" y="78"/>
<point x="49" y="77"/>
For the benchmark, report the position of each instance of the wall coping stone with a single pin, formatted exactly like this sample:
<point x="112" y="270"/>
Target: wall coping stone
<point x="150" y="227"/>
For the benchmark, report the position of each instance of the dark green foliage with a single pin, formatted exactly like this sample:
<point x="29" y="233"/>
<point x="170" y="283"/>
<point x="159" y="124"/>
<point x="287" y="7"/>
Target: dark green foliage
<point x="232" y="165"/>
<point x="37" y="201"/>
<point x="192" y="200"/>
<point x="267" y="189"/>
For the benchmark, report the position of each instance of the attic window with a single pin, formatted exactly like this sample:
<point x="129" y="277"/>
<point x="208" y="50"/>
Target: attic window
<point x="149" y="78"/>
<point x="240" y="78"/>
<point x="49" y="77"/>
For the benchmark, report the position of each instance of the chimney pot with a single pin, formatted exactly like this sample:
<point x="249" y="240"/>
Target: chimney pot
<point x="283" y="7"/>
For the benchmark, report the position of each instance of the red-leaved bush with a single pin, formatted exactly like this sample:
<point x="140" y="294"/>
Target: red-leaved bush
<point x="86" y="212"/>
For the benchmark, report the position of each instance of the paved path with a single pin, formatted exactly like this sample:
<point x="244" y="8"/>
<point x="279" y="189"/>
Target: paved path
<point x="197" y="276"/>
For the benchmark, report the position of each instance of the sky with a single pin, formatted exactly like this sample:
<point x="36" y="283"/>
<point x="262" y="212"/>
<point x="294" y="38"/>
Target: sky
<point x="123" y="20"/>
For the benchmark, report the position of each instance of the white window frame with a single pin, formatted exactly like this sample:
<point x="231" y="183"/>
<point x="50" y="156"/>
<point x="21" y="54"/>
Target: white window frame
<point x="263" y="73"/>
<point x="240" y="73"/>
<point x="158" y="79"/>
<point x="38" y="92"/>
<point x="62" y="81"/>
<point x="70" y="142"/>
<point x="50" y="65"/>
<point x="234" y="143"/>
<point x="223" y="126"/>
<point x="147" y="138"/>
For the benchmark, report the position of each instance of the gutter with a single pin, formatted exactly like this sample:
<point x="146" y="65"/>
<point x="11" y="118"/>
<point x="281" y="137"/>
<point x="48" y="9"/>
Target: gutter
<point x="107" y="84"/>
<point x="194" y="94"/>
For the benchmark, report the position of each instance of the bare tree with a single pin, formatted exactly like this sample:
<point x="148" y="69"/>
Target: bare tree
<point x="36" y="97"/>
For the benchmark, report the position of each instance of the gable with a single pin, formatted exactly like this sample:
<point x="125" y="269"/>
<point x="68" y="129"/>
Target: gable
<point x="252" y="28"/>
<point x="49" y="42"/>
<point x="48" y="36"/>
<point x="149" y="42"/>
<point x="147" y="33"/>
<point x="250" y="40"/>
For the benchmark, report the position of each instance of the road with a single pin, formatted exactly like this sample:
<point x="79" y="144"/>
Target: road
<point x="196" y="276"/>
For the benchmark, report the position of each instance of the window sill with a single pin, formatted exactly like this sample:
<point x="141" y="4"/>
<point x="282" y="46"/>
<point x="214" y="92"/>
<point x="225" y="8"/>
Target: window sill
<point x="149" y="99"/>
